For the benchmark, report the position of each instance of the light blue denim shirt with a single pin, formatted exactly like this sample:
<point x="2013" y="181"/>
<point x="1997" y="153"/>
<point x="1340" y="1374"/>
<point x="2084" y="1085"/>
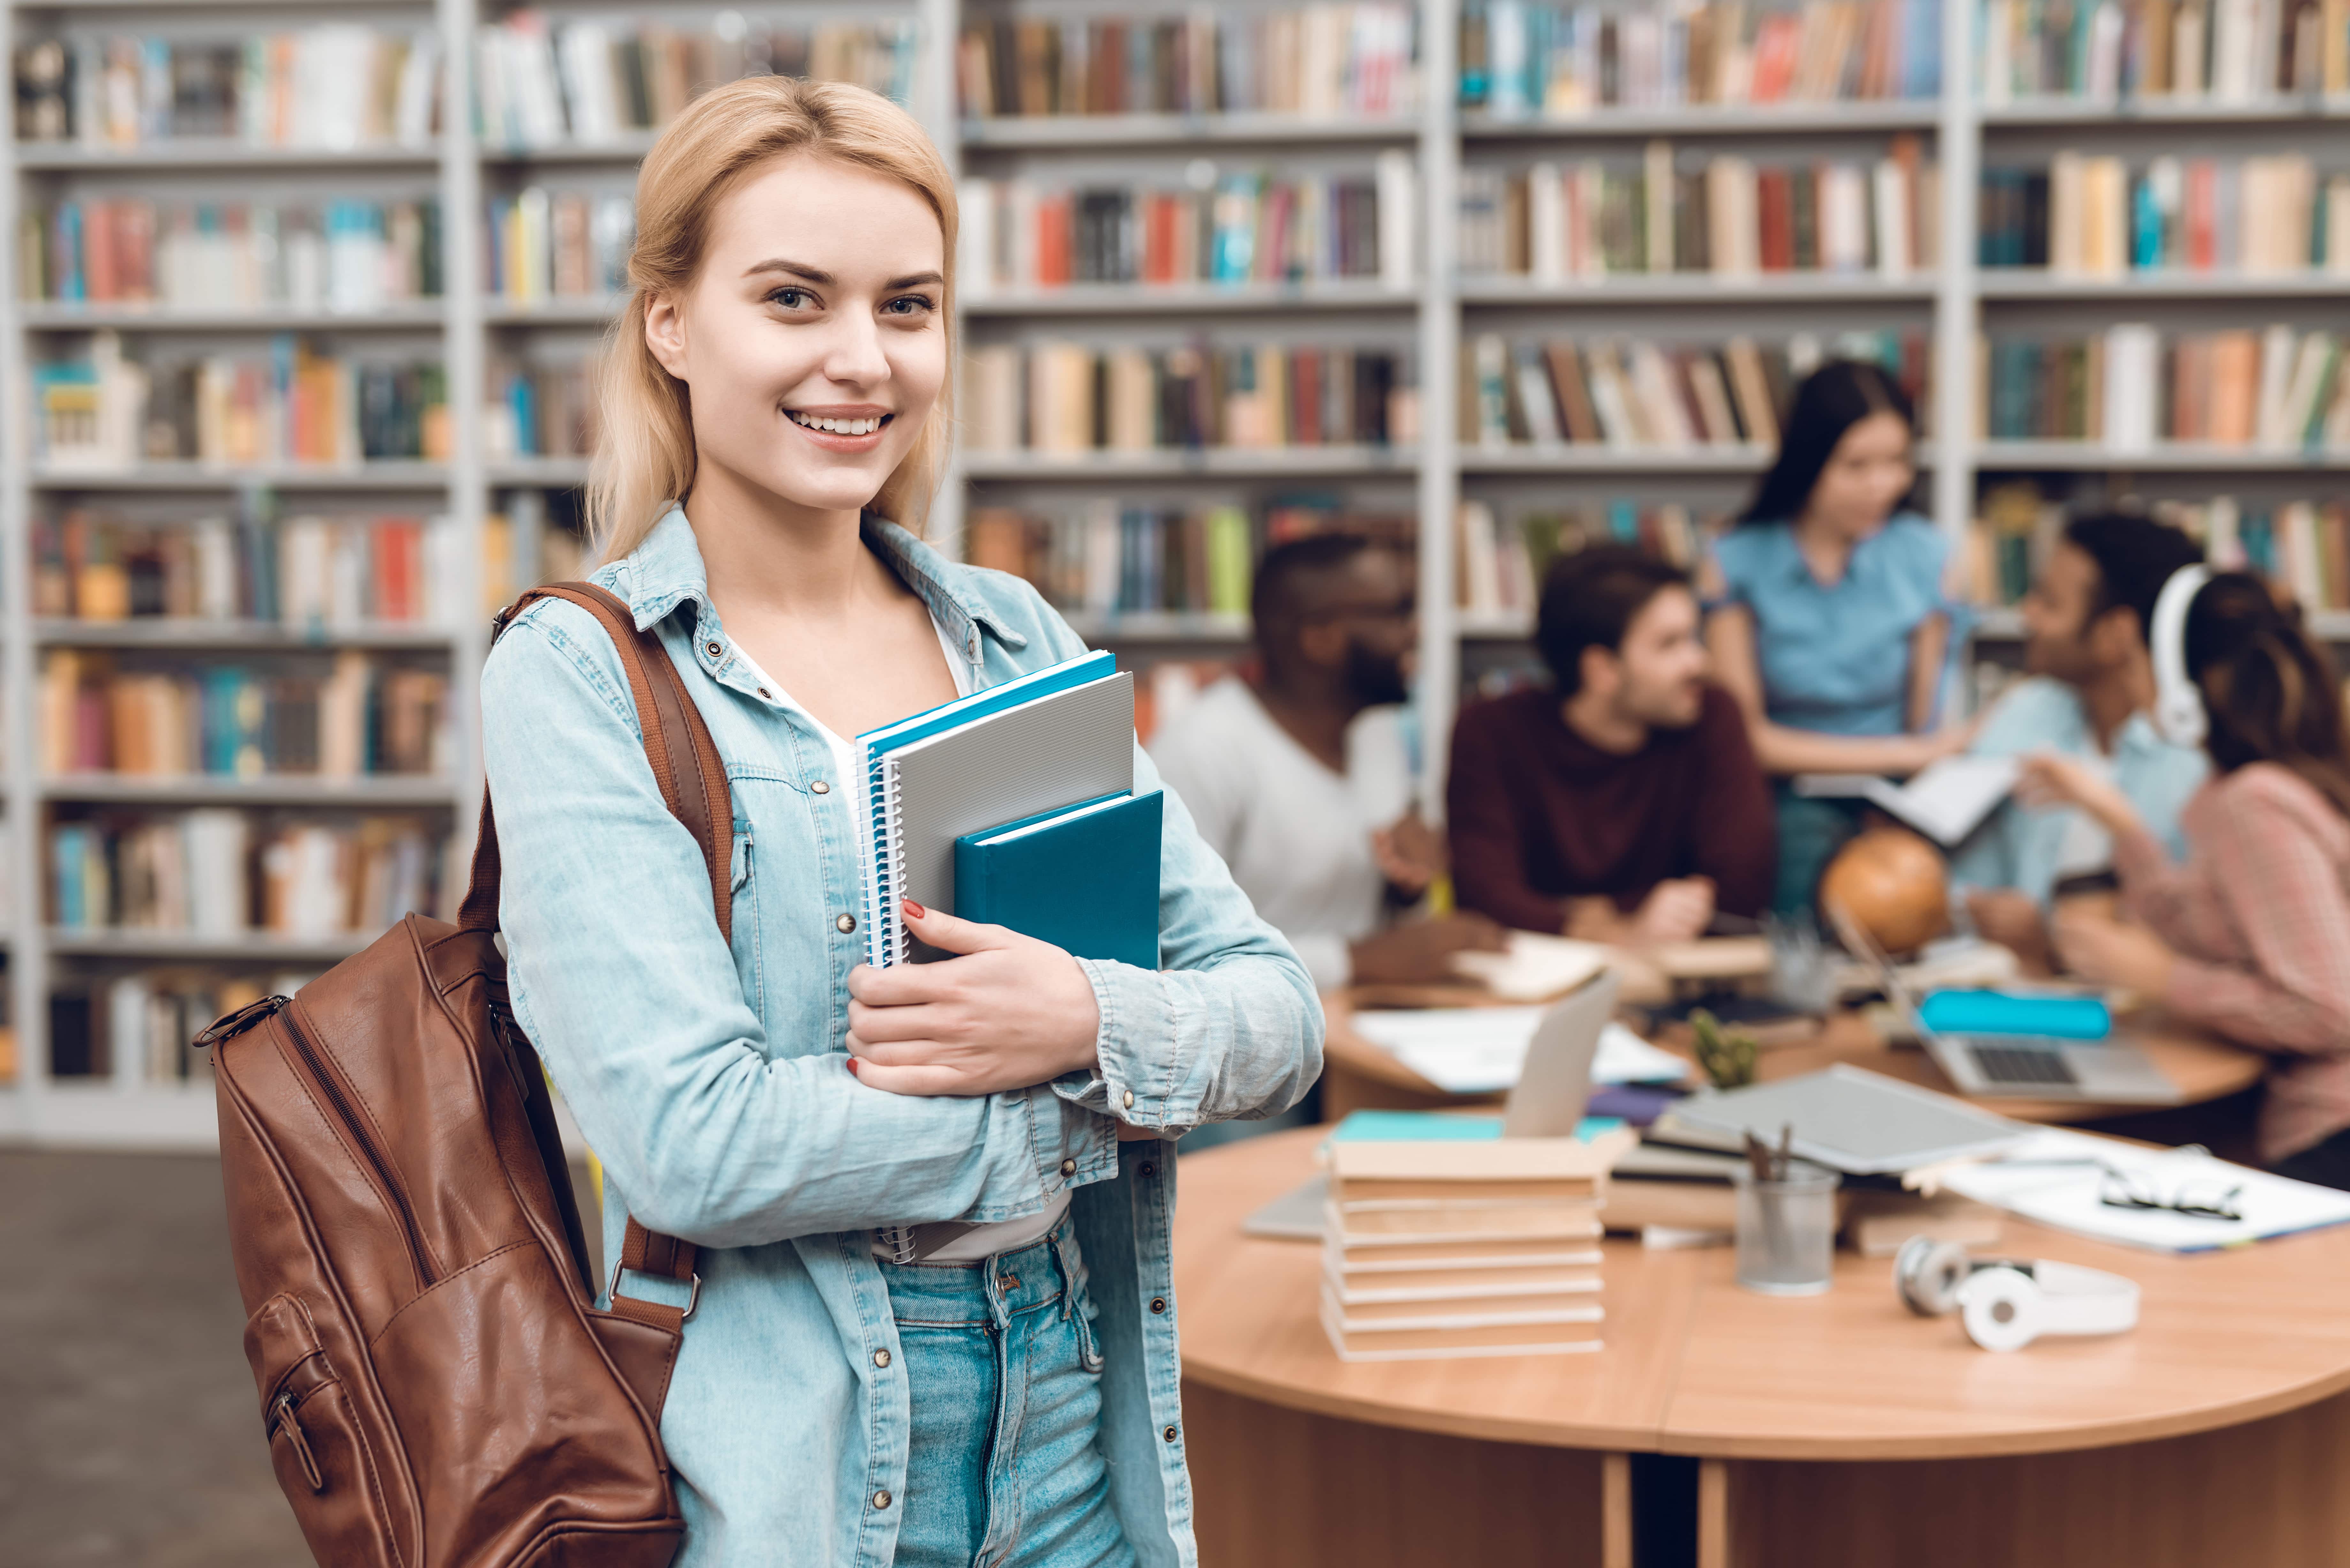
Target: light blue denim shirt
<point x="2020" y="847"/>
<point x="714" y="1085"/>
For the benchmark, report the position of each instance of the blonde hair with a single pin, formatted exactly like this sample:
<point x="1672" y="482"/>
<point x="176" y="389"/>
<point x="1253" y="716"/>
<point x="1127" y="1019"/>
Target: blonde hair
<point x="645" y="454"/>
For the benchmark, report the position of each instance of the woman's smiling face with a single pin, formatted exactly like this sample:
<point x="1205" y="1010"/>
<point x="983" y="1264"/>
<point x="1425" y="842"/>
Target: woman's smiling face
<point x="813" y="341"/>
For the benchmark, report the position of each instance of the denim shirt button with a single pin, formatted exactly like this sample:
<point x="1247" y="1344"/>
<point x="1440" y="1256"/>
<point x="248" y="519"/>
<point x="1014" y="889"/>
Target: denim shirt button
<point x="1159" y="1303"/>
<point x="1167" y="1433"/>
<point x="1130" y="1099"/>
<point x="713" y="648"/>
<point x="881" y="1358"/>
<point x="881" y="1498"/>
<point x="844" y="924"/>
<point x="818" y="786"/>
<point x="1068" y="1168"/>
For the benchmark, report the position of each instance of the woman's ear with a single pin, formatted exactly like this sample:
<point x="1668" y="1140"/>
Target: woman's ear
<point x="665" y="334"/>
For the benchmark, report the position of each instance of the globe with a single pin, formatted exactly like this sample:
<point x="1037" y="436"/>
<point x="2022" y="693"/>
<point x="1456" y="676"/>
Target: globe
<point x="1893" y="884"/>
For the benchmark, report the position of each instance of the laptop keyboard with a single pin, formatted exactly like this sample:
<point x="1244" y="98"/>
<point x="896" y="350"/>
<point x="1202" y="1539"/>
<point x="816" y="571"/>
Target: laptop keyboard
<point x="2022" y="1064"/>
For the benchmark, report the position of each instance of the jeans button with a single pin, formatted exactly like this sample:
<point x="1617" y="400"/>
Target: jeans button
<point x="844" y="924"/>
<point x="1148" y="1169"/>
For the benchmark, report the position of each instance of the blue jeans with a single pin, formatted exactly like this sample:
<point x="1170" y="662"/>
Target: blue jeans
<point x="1004" y="1377"/>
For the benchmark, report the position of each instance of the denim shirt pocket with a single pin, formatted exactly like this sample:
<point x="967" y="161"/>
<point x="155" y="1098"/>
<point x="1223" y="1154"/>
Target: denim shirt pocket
<point x="744" y="898"/>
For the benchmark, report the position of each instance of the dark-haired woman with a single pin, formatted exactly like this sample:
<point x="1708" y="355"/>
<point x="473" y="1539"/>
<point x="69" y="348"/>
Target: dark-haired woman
<point x="2250" y="936"/>
<point x="1828" y="619"/>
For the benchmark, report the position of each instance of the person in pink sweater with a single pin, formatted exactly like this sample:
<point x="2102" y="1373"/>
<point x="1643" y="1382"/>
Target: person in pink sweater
<point x="2250" y="936"/>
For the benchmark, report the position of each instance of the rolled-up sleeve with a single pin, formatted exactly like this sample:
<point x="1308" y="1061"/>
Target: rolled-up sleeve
<point x="621" y="979"/>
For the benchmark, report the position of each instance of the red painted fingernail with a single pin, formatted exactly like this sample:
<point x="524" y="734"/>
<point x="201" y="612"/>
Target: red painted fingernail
<point x="913" y="911"/>
<point x="852" y="1068"/>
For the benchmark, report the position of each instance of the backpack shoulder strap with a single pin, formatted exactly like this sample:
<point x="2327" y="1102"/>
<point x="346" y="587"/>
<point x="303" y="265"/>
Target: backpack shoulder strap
<point x="693" y="780"/>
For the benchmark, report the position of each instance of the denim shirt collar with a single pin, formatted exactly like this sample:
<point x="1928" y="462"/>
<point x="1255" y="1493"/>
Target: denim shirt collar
<point x="667" y="570"/>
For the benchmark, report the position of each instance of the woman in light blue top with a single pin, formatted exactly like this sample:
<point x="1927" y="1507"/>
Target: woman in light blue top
<point x="1828" y="621"/>
<point x="776" y="388"/>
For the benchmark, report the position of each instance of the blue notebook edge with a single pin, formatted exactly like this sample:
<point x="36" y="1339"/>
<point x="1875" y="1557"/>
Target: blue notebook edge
<point x="1131" y="940"/>
<point x="1442" y="1127"/>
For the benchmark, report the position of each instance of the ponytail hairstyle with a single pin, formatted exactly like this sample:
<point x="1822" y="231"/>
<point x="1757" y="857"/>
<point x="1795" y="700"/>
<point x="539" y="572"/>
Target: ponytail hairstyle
<point x="645" y="457"/>
<point x="1831" y="401"/>
<point x="2269" y="691"/>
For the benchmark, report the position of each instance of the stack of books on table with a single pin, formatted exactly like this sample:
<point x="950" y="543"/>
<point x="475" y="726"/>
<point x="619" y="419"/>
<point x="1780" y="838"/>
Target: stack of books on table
<point x="1445" y="1238"/>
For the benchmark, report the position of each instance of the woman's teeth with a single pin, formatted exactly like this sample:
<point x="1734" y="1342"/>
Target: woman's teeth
<point x="836" y="427"/>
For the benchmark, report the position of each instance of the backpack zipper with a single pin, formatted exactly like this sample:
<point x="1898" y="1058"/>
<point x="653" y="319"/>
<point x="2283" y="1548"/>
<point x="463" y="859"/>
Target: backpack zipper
<point x="353" y="1124"/>
<point x="285" y="1415"/>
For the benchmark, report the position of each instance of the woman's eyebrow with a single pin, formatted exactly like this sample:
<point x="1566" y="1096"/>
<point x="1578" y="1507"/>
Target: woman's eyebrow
<point x="914" y="280"/>
<point x="797" y="269"/>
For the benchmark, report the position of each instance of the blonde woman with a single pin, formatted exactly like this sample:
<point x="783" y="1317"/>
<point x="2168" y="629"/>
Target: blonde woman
<point x="775" y="403"/>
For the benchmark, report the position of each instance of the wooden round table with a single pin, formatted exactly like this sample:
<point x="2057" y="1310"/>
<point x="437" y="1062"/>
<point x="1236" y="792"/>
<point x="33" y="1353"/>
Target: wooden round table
<point x="2215" y="1433"/>
<point x="1357" y="1074"/>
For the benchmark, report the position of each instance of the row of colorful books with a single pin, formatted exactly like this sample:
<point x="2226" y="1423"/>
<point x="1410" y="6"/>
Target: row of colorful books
<point x="2235" y="51"/>
<point x="1069" y="398"/>
<point x="327" y="88"/>
<point x="296" y="403"/>
<point x="2303" y="545"/>
<point x="2133" y="385"/>
<point x="535" y="539"/>
<point x="366" y="715"/>
<point x="1320" y="61"/>
<point x="346" y="255"/>
<point x="1519" y="60"/>
<point x="1501" y="558"/>
<point x="1639" y="393"/>
<point x="1238" y="227"/>
<point x="590" y="81"/>
<point x="568" y="244"/>
<point x="539" y="410"/>
<point x="1725" y="214"/>
<point x="142" y="1023"/>
<point x="2094" y="215"/>
<point x="221" y="872"/>
<point x="308" y="573"/>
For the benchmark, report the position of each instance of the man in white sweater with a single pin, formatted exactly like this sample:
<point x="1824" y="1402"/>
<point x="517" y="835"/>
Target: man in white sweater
<point x="1303" y="779"/>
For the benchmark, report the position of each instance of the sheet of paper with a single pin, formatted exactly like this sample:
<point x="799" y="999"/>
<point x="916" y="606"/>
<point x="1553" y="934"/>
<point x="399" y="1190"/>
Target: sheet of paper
<point x="2056" y="1177"/>
<point x="1534" y="967"/>
<point x="1482" y="1050"/>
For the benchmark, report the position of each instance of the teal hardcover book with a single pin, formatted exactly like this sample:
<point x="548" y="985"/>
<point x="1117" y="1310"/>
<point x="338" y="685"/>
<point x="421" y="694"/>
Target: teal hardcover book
<point x="1084" y="878"/>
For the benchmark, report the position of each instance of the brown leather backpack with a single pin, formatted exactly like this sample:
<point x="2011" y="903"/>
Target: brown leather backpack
<point x="439" y="1388"/>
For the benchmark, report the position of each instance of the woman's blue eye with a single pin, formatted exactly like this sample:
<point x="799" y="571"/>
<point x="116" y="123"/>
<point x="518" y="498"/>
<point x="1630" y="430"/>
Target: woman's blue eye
<point x="912" y="303"/>
<point x="789" y="298"/>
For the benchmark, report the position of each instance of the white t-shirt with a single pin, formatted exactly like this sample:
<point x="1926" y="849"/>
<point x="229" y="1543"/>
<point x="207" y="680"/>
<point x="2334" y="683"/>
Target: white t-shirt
<point x="980" y="1240"/>
<point x="1296" y="836"/>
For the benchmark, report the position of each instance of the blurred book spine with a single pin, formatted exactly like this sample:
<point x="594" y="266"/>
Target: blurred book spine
<point x="2301" y="545"/>
<point x="217" y="871"/>
<point x="2105" y="51"/>
<point x="1501" y="559"/>
<point x="345" y="255"/>
<point x="2095" y="216"/>
<point x="566" y="245"/>
<point x="2133" y="385"/>
<point x="538" y="410"/>
<point x="314" y="574"/>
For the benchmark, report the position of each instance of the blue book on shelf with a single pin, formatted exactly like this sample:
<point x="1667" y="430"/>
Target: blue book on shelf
<point x="1084" y="878"/>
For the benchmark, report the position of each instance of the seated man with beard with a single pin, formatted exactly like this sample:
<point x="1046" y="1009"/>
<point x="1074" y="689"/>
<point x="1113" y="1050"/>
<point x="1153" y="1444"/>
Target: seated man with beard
<point x="1622" y="801"/>
<point x="1301" y="780"/>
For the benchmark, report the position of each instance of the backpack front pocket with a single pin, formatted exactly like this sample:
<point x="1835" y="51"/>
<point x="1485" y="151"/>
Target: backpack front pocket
<point x="323" y="1464"/>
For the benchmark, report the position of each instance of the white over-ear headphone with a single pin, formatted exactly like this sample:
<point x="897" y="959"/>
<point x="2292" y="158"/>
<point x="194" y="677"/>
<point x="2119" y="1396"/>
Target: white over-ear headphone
<point x="2178" y="705"/>
<point x="2008" y="1303"/>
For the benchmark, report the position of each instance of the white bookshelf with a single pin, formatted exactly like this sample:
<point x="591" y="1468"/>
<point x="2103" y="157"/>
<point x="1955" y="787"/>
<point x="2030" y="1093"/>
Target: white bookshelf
<point x="1949" y="303"/>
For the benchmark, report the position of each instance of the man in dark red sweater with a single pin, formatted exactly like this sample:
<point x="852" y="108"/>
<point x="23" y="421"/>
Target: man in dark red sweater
<point x="1622" y="803"/>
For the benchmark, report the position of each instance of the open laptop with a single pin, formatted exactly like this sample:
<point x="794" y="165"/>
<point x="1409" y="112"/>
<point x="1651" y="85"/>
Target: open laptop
<point x="1547" y="1102"/>
<point x="2111" y="1071"/>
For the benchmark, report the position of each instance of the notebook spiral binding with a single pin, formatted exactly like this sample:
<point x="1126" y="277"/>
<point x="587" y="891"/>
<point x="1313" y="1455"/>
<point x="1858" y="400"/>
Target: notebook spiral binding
<point x="890" y="870"/>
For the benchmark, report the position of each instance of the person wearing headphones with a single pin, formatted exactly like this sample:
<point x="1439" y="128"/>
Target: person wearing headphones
<point x="2249" y="935"/>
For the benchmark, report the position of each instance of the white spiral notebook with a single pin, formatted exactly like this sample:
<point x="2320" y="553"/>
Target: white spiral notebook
<point x="1052" y="739"/>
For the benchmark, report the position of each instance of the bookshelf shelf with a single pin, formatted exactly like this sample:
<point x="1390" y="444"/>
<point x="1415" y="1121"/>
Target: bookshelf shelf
<point x="2005" y="624"/>
<point x="1090" y="132"/>
<point x="629" y="147"/>
<point x="1598" y="460"/>
<point x="283" y="789"/>
<point x="188" y="947"/>
<point x="1189" y="299"/>
<point x="1216" y="462"/>
<point x="593" y="310"/>
<point x="2017" y="283"/>
<point x="2175" y="457"/>
<point x="402" y="315"/>
<point x="2068" y="111"/>
<point x="396" y="474"/>
<point x="1698" y="288"/>
<point x="1864" y="117"/>
<point x="208" y="153"/>
<point x="174" y="633"/>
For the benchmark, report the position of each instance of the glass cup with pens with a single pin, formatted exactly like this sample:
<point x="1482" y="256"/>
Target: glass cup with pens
<point x="1786" y="1220"/>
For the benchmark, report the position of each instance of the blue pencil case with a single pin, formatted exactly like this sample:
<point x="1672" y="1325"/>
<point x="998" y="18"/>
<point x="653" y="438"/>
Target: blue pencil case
<point x="2000" y="1012"/>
